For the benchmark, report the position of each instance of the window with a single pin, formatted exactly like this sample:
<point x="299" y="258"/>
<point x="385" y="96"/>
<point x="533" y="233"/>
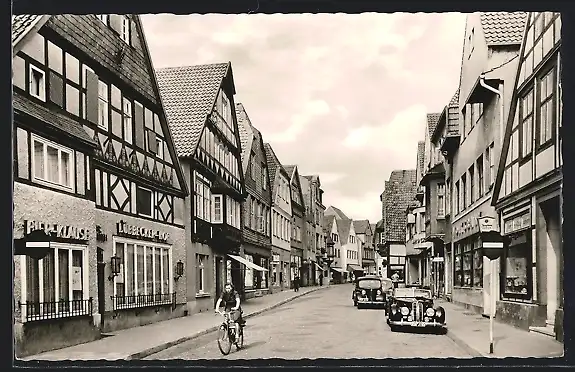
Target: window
<point x="526" y="104"/>
<point x="159" y="148"/>
<point x="201" y="263"/>
<point x="144" y="201"/>
<point x="471" y="185"/>
<point x="468" y="266"/>
<point x="126" y="33"/>
<point x="37" y="83"/>
<point x="480" y="176"/>
<point x="233" y="212"/>
<point x="517" y="266"/>
<point x="203" y="198"/>
<point x="56" y="285"/>
<point x="217" y="204"/>
<point x="264" y="177"/>
<point x="52" y="164"/>
<point x="440" y="200"/>
<point x="145" y="274"/>
<point x="127" y="114"/>
<point x="253" y="167"/>
<point x="491" y="165"/>
<point x="546" y="122"/>
<point x="103" y="105"/>
<point x="463" y="192"/>
<point x="105" y="18"/>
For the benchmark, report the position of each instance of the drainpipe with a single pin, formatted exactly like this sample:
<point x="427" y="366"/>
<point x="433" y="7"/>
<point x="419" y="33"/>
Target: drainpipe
<point x="501" y="108"/>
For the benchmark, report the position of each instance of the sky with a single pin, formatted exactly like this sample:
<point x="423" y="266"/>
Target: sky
<point x="344" y="96"/>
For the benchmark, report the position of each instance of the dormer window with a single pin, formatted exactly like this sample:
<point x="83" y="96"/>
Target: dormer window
<point x="37" y="83"/>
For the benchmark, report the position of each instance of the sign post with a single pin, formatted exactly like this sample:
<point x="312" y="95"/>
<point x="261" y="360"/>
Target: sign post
<point x="492" y="250"/>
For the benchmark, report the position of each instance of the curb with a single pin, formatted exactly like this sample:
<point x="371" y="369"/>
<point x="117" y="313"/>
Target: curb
<point x="167" y="345"/>
<point x="465" y="346"/>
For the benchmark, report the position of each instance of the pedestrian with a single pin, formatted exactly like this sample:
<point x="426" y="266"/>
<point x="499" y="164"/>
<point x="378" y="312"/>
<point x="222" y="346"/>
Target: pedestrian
<point x="296" y="283"/>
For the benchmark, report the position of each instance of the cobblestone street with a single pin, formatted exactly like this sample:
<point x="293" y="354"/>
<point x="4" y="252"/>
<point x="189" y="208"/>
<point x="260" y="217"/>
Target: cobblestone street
<point x="324" y="324"/>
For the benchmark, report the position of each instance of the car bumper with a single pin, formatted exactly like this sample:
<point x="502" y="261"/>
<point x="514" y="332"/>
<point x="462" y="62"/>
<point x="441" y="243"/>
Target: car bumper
<point x="368" y="302"/>
<point x="405" y="323"/>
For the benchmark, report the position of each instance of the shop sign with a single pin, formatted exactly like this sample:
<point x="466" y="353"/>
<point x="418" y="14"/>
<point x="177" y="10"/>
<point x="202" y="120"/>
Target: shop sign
<point x="100" y="236"/>
<point x="275" y="257"/>
<point x="58" y="231"/>
<point x="487" y="224"/>
<point x="516" y="223"/>
<point x="138" y="232"/>
<point x="437" y="259"/>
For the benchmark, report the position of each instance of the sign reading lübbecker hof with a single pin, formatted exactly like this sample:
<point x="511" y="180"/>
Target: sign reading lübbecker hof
<point x="139" y="232"/>
<point x="60" y="232"/>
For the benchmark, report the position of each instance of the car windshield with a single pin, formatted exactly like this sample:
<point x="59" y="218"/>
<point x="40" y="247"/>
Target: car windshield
<point x="369" y="283"/>
<point x="412" y="292"/>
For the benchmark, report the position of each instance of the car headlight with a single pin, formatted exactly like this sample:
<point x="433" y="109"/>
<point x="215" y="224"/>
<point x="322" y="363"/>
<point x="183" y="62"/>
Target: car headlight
<point x="363" y="292"/>
<point x="404" y="311"/>
<point x="430" y="311"/>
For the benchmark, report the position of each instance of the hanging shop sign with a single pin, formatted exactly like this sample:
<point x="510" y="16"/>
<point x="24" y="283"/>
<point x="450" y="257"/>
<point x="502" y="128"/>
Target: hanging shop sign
<point x="487" y="224"/>
<point x="60" y="232"/>
<point x="275" y="257"/>
<point x="139" y="232"/>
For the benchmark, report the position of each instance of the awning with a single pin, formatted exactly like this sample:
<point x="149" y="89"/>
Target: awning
<point x="354" y="267"/>
<point x="339" y="270"/>
<point x="318" y="267"/>
<point x="247" y="263"/>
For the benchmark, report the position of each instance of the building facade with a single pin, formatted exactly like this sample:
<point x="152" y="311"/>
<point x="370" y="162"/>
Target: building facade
<point x="336" y="273"/>
<point x="281" y="221"/>
<point x="92" y="143"/>
<point x="318" y="210"/>
<point x="492" y="41"/>
<point x="528" y="186"/>
<point x="364" y="233"/>
<point x="311" y="269"/>
<point x="298" y="224"/>
<point x="256" y="228"/>
<point x="207" y="140"/>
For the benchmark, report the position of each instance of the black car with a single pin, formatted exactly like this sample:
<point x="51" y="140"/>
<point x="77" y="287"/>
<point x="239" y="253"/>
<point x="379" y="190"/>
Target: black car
<point x="414" y="307"/>
<point x="369" y="291"/>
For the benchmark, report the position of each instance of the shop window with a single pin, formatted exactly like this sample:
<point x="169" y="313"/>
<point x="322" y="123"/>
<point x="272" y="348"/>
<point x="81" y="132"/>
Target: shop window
<point x="52" y="164"/>
<point x="144" y="201"/>
<point x="145" y="277"/>
<point x="249" y="273"/>
<point x="57" y="285"/>
<point x="37" y="83"/>
<point x="517" y="266"/>
<point x="468" y="265"/>
<point x="201" y="263"/>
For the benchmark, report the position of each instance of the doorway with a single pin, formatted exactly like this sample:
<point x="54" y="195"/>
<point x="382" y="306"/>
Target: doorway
<point x="101" y="283"/>
<point x="553" y="249"/>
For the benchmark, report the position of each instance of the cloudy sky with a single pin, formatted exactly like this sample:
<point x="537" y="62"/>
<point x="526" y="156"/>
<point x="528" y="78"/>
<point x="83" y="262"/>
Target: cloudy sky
<point x="342" y="96"/>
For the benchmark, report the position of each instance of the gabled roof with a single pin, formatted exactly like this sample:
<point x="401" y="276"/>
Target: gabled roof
<point x="24" y="23"/>
<point x="432" y="120"/>
<point x="399" y="193"/>
<point x="336" y="212"/>
<point x="290" y="169"/>
<point x="503" y="28"/>
<point x="343" y="228"/>
<point x="189" y="94"/>
<point x="246" y="132"/>
<point x="361" y="226"/>
<point x="274" y="167"/>
<point x="454" y="102"/>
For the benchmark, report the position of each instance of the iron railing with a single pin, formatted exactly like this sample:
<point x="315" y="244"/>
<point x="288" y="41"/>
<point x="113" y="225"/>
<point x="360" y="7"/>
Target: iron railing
<point x="33" y="311"/>
<point x="135" y="301"/>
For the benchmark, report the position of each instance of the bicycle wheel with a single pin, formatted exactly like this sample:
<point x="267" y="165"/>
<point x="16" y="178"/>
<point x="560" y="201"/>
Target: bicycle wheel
<point x="240" y="339"/>
<point x="224" y="343"/>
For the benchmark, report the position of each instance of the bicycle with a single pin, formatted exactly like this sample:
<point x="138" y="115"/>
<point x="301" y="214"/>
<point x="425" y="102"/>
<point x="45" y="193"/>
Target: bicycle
<point x="227" y="334"/>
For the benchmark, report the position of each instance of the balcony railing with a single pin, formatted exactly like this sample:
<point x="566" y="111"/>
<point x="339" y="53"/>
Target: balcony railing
<point x="34" y="311"/>
<point x="135" y="301"/>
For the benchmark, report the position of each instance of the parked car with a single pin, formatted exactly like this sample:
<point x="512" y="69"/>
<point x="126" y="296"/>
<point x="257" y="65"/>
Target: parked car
<point x="369" y="291"/>
<point x="414" y="307"/>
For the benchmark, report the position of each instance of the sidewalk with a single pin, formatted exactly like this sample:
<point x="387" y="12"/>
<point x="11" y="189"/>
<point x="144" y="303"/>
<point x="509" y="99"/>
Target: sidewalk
<point x="471" y="331"/>
<point x="139" y="342"/>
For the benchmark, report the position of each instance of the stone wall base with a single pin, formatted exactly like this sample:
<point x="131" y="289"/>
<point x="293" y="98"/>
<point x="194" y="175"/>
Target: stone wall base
<point x="521" y="315"/>
<point x="128" y="318"/>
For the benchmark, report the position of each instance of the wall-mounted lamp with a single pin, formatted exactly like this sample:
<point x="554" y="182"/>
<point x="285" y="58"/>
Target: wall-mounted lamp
<point x="115" y="266"/>
<point x="179" y="270"/>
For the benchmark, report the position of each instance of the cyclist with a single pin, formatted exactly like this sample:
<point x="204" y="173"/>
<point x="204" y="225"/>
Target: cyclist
<point x="231" y="302"/>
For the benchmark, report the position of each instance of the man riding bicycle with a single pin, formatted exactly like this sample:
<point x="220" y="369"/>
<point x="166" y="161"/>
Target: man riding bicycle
<point x="231" y="301"/>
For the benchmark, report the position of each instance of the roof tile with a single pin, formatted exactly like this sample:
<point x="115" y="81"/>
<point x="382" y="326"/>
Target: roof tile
<point x="21" y="23"/>
<point x="502" y="28"/>
<point x="432" y="120"/>
<point x="189" y="94"/>
<point x="360" y="226"/>
<point x="454" y="102"/>
<point x="274" y="166"/>
<point x="246" y="134"/>
<point x="398" y="194"/>
<point x="336" y="212"/>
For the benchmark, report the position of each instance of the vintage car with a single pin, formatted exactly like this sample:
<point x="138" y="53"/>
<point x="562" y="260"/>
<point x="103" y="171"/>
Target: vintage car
<point x="414" y="307"/>
<point x="369" y="291"/>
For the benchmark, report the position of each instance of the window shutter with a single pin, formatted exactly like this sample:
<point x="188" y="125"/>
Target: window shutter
<point x="56" y="89"/>
<point x="139" y="126"/>
<point x="152" y="144"/>
<point x="134" y="34"/>
<point x="92" y="97"/>
<point x="116" y="22"/>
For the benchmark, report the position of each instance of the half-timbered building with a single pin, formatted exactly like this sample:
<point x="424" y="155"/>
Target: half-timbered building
<point x="528" y="188"/>
<point x="256" y="228"/>
<point x="97" y="175"/>
<point x="201" y="111"/>
<point x="298" y="226"/>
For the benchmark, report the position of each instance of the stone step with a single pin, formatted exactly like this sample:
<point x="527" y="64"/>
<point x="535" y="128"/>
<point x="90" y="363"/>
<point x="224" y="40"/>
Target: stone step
<point x="547" y="330"/>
